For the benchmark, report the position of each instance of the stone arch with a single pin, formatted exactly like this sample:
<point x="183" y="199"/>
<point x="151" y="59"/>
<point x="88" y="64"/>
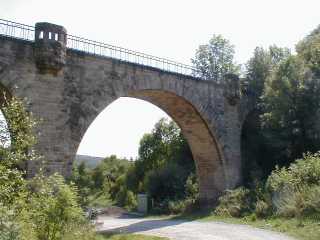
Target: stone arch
<point x="74" y="86"/>
<point x="202" y="142"/>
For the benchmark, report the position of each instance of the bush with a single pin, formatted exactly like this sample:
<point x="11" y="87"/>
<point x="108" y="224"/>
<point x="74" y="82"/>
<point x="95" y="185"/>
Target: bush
<point x="12" y="185"/>
<point x="44" y="208"/>
<point x="166" y="183"/>
<point x="47" y="211"/>
<point x="13" y="226"/>
<point x="131" y="200"/>
<point x="79" y="232"/>
<point x="235" y="203"/>
<point x="192" y="187"/>
<point x="262" y="209"/>
<point x="176" y="207"/>
<point x="189" y="204"/>
<point x="296" y="190"/>
<point x="54" y="211"/>
<point x="299" y="202"/>
<point x="126" y="198"/>
<point x="304" y="171"/>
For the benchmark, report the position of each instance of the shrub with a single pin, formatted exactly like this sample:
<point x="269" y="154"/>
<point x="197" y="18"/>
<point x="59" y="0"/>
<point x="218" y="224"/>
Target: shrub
<point x="166" y="183"/>
<point x="126" y="198"/>
<point x="192" y="187"/>
<point x="12" y="185"/>
<point x="12" y="227"/>
<point x="304" y="171"/>
<point x="117" y="188"/>
<point x="235" y="203"/>
<point x="296" y="190"/>
<point x="131" y="200"/>
<point x="48" y="211"/>
<point x="44" y="208"/>
<point x="299" y="202"/>
<point x="262" y="209"/>
<point x="313" y="203"/>
<point x="176" y="207"/>
<point x="54" y="210"/>
<point x="79" y="231"/>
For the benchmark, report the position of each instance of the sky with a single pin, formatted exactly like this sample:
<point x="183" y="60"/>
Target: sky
<point x="168" y="28"/>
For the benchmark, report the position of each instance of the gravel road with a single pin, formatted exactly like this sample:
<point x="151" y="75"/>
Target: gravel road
<point x="185" y="230"/>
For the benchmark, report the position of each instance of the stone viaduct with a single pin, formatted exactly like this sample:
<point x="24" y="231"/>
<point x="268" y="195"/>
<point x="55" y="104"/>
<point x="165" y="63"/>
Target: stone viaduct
<point x="68" y="81"/>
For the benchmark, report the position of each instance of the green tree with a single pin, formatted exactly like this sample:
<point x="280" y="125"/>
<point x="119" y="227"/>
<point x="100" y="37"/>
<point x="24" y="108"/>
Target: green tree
<point x="215" y="59"/>
<point x="16" y="127"/>
<point x="97" y="185"/>
<point x="164" y="164"/>
<point x="260" y="66"/>
<point x="255" y="139"/>
<point x="82" y="178"/>
<point x="309" y="50"/>
<point x="295" y="190"/>
<point x="291" y="102"/>
<point x="41" y="208"/>
<point x="109" y="170"/>
<point x="54" y="210"/>
<point x="155" y="148"/>
<point x="164" y="145"/>
<point x="166" y="183"/>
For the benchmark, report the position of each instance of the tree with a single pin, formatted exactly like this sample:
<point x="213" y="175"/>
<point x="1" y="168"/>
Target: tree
<point x="16" y="127"/>
<point x="109" y="170"/>
<point x="82" y="178"/>
<point x="167" y="182"/>
<point x="54" y="210"/>
<point x="290" y="103"/>
<point x="164" y="164"/>
<point x="164" y="145"/>
<point x="155" y="148"/>
<point x="215" y="59"/>
<point x="39" y="208"/>
<point x="309" y="50"/>
<point x="256" y="139"/>
<point x="260" y="66"/>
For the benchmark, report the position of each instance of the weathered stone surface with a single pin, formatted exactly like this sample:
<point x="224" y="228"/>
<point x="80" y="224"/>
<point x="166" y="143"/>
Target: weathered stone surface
<point x="69" y="98"/>
<point x="50" y="47"/>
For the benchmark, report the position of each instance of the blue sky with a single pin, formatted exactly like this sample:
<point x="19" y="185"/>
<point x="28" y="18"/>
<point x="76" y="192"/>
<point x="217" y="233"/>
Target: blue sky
<point x="166" y="28"/>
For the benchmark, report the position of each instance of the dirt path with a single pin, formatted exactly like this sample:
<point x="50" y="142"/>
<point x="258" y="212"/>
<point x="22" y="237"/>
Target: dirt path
<point x="185" y="230"/>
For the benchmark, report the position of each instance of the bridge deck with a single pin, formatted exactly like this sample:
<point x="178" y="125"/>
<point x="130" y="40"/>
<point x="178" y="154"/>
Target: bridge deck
<point x="27" y="33"/>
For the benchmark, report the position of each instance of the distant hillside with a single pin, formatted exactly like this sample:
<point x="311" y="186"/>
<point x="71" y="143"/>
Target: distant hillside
<point x="89" y="160"/>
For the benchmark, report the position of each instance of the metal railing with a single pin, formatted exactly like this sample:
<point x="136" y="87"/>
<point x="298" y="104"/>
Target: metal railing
<point x="26" y="32"/>
<point x="16" y="30"/>
<point x="103" y="49"/>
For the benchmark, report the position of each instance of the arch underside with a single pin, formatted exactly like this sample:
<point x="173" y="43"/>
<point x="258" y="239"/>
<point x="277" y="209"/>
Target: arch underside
<point x="202" y="143"/>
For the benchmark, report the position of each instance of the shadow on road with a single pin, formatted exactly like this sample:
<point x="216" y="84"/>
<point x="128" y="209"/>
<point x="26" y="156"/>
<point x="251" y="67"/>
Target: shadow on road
<point x="143" y="225"/>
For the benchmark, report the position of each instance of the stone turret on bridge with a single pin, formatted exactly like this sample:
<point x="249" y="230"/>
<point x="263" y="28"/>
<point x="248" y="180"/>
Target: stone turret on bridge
<point x="50" y="47"/>
<point x="69" y="80"/>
